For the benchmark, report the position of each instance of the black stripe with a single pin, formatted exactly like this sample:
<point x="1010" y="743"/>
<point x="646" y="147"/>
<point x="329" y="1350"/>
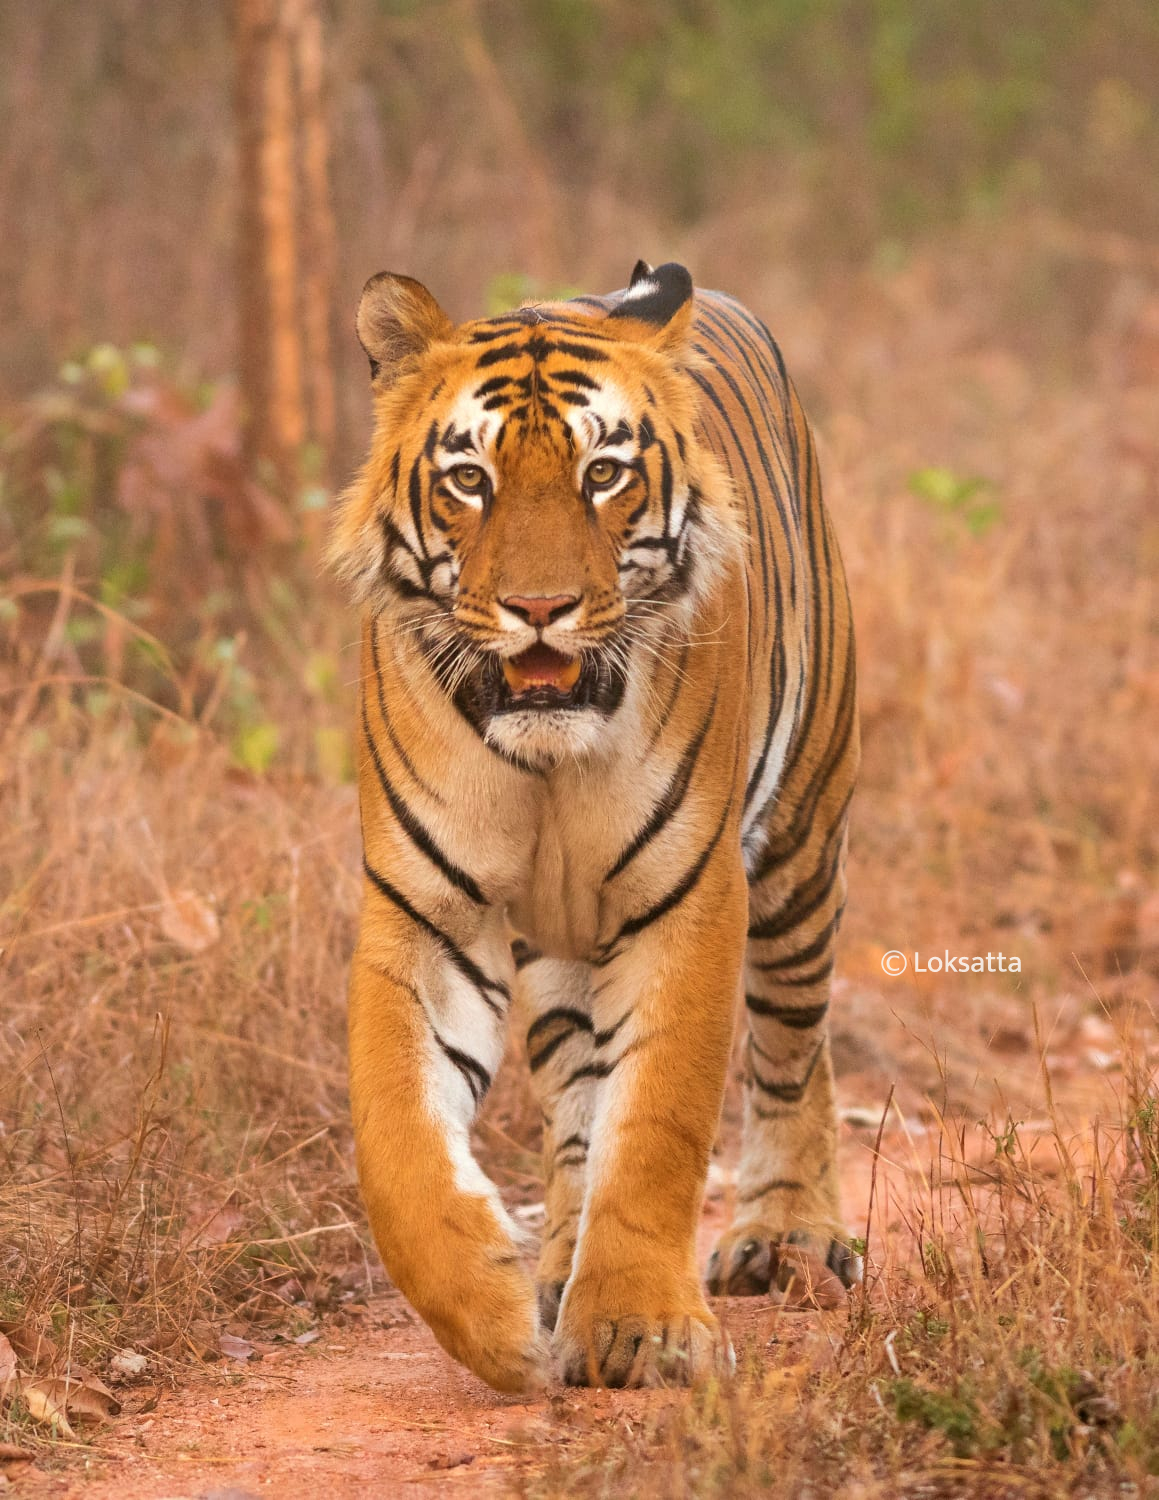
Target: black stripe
<point x="778" y="676"/>
<point x="790" y="839"/>
<point x="671" y="800"/>
<point x="591" y="1070"/>
<point x="723" y="331"/>
<point x="416" y="504"/>
<point x="494" y="356"/>
<point x="413" y="828"/>
<point x="501" y="328"/>
<point x="757" y="530"/>
<point x="803" y="955"/>
<point x="466" y="966"/>
<point x="678" y="892"/>
<point x="580" y="351"/>
<point x="780" y="489"/>
<point x="395" y="539"/>
<point x="797" y="1018"/>
<point x="489" y="387"/>
<point x="579" y="1020"/>
<point x="574" y="1022"/>
<point x="777" y="1185"/>
<point x="575" y="377"/>
<point x="477" y="1077"/>
<point x="457" y="442"/>
<point x="787" y="1093"/>
<point x="537" y="1060"/>
<point x="801" y="902"/>
<point x="665" y="485"/>
<point x="398" y="746"/>
<point x="602" y="1038"/>
<point x="524" y="954"/>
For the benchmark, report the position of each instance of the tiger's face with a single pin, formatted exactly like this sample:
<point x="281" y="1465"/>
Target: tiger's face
<point x="535" y="506"/>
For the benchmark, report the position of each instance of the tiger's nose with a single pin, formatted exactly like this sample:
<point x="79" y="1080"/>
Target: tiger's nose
<point x="539" y="609"/>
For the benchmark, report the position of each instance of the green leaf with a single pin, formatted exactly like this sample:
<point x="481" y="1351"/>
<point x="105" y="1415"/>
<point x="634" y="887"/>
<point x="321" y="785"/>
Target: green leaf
<point x="944" y="488"/>
<point x="255" y="747"/>
<point x="109" y="365"/>
<point x="64" y="530"/>
<point x="980" y="518"/>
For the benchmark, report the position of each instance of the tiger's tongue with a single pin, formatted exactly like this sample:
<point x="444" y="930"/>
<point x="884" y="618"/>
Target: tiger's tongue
<point x="540" y="666"/>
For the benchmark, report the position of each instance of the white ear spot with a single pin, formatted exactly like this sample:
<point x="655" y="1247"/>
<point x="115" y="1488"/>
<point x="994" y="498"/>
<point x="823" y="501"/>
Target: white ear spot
<point x="645" y="287"/>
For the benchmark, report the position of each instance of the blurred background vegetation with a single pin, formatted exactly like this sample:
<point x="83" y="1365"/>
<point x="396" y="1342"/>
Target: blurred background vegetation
<point x="192" y="196"/>
<point x="554" y="140"/>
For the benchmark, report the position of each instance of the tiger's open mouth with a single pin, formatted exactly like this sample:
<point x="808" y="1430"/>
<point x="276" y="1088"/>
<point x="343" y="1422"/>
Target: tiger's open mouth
<point x="543" y="681"/>
<point x="541" y="668"/>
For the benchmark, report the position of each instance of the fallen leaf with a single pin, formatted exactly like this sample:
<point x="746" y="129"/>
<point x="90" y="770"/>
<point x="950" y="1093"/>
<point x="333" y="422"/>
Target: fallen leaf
<point x="7" y="1364"/>
<point x="56" y="1397"/>
<point x="190" y="922"/>
<point x="234" y="1348"/>
<point x="91" y="1399"/>
<point x="309" y="1336"/>
<point x="45" y="1407"/>
<point x="33" y="1349"/>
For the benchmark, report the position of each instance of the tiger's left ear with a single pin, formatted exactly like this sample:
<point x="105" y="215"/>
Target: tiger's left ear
<point x="660" y="301"/>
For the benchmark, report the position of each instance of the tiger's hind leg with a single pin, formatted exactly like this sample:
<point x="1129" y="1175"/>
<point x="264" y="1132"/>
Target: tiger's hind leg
<point x="788" y="1235"/>
<point x="554" y="1002"/>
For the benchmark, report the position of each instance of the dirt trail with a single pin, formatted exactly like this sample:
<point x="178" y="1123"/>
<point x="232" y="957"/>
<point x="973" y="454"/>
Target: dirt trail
<point x="378" y="1409"/>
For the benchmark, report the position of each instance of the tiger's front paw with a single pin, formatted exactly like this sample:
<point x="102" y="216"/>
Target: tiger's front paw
<point x="798" y="1268"/>
<point x="632" y="1339"/>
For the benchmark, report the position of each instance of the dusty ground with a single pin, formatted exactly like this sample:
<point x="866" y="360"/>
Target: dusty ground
<point x="378" y="1408"/>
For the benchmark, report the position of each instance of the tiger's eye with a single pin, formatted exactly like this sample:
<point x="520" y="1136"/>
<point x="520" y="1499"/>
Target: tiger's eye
<point x="603" y="472"/>
<point x="469" y="477"/>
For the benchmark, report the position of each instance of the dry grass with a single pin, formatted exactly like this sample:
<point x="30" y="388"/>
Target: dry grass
<point x="174" y="1143"/>
<point x="1007" y="1343"/>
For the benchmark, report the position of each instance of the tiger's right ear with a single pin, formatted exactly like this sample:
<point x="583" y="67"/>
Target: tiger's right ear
<point x="397" y="320"/>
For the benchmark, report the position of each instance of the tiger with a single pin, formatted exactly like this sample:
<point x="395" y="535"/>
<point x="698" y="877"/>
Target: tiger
<point x="608" y="739"/>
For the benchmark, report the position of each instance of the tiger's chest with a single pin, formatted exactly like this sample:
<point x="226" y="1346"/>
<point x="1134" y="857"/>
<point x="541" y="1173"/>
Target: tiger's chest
<point x="561" y="899"/>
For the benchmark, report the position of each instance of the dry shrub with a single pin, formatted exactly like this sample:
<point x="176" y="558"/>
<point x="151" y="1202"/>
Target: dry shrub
<point x="172" y="1103"/>
<point x="1007" y="1343"/>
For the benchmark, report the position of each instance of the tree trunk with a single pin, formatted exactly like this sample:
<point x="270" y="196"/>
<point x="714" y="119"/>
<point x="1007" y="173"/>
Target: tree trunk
<point x="318" y="235"/>
<point x="270" y="356"/>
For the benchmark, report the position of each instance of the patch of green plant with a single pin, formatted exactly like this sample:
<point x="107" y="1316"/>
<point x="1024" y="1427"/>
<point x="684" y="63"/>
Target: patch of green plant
<point x="956" y="1416"/>
<point x="969" y="498"/>
<point x="510" y="289"/>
